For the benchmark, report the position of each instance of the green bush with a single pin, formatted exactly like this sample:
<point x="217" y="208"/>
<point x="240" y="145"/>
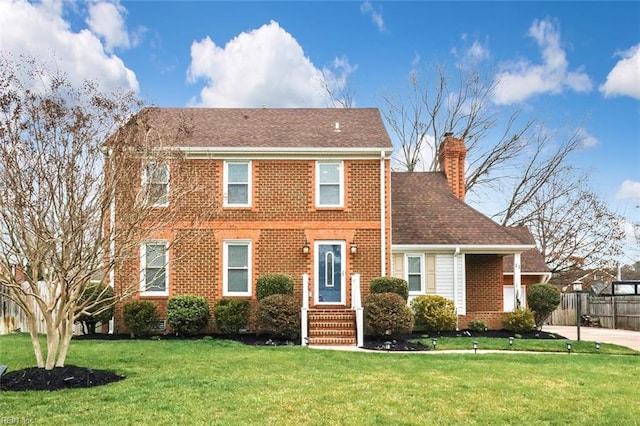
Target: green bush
<point x="279" y="316"/>
<point x="542" y="299"/>
<point x="100" y="307"/>
<point x="270" y="284"/>
<point x="477" y="325"/>
<point x="231" y="315"/>
<point x="390" y="285"/>
<point x="434" y="313"/>
<point x="518" y="321"/>
<point x="187" y="314"/>
<point x="140" y="316"/>
<point x="387" y="314"/>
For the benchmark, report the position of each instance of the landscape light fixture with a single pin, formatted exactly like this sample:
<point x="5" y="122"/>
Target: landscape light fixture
<point x="387" y="345"/>
<point x="597" y="346"/>
<point x="475" y="347"/>
<point x="305" y="247"/>
<point x="569" y="347"/>
<point x="510" y="341"/>
<point x="434" y="342"/>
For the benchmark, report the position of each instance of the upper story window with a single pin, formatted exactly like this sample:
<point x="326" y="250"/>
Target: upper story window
<point x="329" y="184"/>
<point x="415" y="273"/>
<point x="155" y="184"/>
<point x="237" y="183"/>
<point x="237" y="268"/>
<point x="154" y="259"/>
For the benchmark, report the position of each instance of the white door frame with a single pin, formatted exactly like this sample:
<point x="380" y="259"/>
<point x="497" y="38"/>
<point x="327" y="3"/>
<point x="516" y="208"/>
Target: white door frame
<point x="316" y="268"/>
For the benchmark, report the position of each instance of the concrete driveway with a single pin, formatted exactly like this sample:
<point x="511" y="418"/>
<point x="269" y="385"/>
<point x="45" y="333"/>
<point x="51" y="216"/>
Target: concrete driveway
<point x="630" y="339"/>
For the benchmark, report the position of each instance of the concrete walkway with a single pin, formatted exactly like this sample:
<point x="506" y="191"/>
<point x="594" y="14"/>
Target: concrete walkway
<point x="630" y="339"/>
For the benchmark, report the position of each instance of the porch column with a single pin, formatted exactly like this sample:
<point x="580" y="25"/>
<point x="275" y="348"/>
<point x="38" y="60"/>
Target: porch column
<point x="304" y="323"/>
<point x="517" y="284"/>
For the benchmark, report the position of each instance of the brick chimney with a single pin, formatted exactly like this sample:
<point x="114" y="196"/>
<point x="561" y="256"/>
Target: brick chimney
<point x="451" y="158"/>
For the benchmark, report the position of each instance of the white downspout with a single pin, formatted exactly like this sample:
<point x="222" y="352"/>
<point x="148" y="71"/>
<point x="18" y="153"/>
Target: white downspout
<point x="304" y="320"/>
<point x="383" y="222"/>
<point x="456" y="253"/>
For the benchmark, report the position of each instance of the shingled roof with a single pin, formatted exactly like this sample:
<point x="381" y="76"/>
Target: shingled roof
<point x="285" y="128"/>
<point x="531" y="261"/>
<point x="424" y="211"/>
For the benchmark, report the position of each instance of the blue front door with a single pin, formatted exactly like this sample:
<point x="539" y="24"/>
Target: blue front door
<point x="330" y="272"/>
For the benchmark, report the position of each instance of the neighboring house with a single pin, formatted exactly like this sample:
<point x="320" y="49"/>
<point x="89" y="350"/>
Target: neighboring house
<point x="534" y="269"/>
<point x="310" y="193"/>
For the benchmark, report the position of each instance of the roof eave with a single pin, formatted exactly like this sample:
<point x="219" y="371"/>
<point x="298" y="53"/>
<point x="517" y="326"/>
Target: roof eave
<point x="465" y="248"/>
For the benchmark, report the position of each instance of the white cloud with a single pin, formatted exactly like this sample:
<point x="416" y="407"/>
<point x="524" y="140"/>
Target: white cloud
<point x="628" y="189"/>
<point x="40" y="31"/>
<point x="588" y="141"/>
<point x="474" y="53"/>
<point x="522" y="79"/>
<point x="376" y="15"/>
<point x="106" y="20"/>
<point x="624" y="78"/>
<point x="265" y="66"/>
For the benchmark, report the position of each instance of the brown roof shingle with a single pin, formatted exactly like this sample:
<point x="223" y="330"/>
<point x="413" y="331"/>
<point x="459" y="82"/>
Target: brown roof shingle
<point x="424" y="211"/>
<point x="285" y="128"/>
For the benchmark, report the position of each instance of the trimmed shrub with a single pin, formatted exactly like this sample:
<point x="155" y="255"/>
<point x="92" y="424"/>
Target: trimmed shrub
<point x="542" y="299"/>
<point x="270" y="284"/>
<point x="390" y="285"/>
<point x="434" y="313"/>
<point x="188" y="314"/>
<point x="518" y="321"/>
<point x="387" y="314"/>
<point x="102" y="297"/>
<point x="140" y="316"/>
<point x="279" y="316"/>
<point x="231" y="315"/>
<point x="477" y="325"/>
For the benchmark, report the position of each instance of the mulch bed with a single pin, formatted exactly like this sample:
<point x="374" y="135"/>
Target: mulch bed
<point x="72" y="376"/>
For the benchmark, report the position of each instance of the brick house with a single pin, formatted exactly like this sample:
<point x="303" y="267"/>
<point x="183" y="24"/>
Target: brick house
<point x="310" y="193"/>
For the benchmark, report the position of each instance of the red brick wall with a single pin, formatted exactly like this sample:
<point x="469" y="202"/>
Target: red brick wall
<point x="484" y="290"/>
<point x="282" y="217"/>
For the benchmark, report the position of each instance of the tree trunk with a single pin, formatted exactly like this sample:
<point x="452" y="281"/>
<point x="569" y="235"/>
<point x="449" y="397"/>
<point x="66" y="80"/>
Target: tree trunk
<point x="65" y="341"/>
<point x="33" y="332"/>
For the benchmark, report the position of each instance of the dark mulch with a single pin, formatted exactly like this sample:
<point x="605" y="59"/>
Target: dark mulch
<point x="66" y="377"/>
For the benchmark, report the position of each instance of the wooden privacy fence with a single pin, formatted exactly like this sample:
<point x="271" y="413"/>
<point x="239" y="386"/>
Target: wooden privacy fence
<point x="12" y="317"/>
<point x="612" y="311"/>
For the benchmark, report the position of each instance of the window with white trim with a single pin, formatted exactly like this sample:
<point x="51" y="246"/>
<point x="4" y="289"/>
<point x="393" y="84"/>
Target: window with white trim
<point x="237" y="183"/>
<point x="237" y="268"/>
<point x="329" y="184"/>
<point x="154" y="258"/>
<point x="415" y="273"/>
<point x="155" y="184"/>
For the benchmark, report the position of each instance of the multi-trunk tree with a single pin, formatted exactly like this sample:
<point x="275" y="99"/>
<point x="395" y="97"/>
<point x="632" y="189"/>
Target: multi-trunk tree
<point x="70" y="157"/>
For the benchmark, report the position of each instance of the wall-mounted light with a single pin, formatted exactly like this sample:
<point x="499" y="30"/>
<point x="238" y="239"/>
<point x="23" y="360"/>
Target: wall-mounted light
<point x="354" y="248"/>
<point x="305" y="248"/>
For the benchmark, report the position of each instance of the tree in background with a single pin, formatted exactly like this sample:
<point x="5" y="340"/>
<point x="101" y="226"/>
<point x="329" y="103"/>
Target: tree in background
<point x="571" y="224"/>
<point x="59" y="186"/>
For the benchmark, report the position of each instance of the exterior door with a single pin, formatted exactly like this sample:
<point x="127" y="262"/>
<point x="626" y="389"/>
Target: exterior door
<point x="330" y="273"/>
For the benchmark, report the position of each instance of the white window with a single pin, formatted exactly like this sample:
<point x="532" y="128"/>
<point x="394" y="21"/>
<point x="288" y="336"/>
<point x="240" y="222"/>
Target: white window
<point x="237" y="268"/>
<point x="329" y="184"/>
<point x="154" y="259"/>
<point x="415" y="273"/>
<point x="155" y="184"/>
<point x="237" y="183"/>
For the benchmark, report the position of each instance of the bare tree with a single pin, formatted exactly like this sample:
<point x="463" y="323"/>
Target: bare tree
<point x="58" y="194"/>
<point x="506" y="152"/>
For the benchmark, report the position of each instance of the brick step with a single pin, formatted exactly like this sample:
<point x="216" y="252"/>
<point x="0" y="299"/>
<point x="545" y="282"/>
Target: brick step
<point x="329" y="316"/>
<point x="331" y="324"/>
<point x="331" y="333"/>
<point x="344" y="341"/>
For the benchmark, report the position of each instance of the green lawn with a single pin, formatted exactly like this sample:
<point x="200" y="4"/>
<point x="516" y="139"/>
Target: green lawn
<point x="226" y="383"/>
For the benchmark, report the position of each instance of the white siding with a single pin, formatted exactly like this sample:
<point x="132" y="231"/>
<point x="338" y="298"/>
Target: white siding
<point x="445" y="277"/>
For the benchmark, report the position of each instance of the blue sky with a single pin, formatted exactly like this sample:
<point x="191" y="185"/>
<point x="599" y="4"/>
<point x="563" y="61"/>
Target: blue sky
<point x="570" y="65"/>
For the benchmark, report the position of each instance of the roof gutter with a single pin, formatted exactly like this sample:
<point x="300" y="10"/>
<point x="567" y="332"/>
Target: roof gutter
<point x="465" y="248"/>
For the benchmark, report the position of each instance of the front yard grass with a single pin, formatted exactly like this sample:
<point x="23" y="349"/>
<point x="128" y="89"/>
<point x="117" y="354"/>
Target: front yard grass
<point x="227" y="383"/>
